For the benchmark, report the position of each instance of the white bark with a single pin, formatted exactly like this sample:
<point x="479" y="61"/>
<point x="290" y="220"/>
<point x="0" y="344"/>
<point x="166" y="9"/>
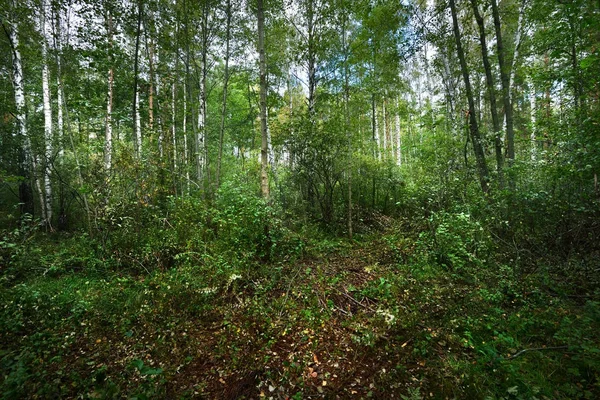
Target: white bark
<point x="138" y="124"/>
<point x="398" y="137"/>
<point x="161" y="130"/>
<point x="47" y="119"/>
<point x="60" y="91"/>
<point x="384" y="133"/>
<point x="376" y="131"/>
<point x="270" y="149"/>
<point x="200" y="136"/>
<point x="109" y="102"/>
<point x="185" y="138"/>
<point x="533" y="106"/>
<point x="264" y="127"/>
<point x="60" y="118"/>
<point x="19" y="89"/>
<point x="173" y="131"/>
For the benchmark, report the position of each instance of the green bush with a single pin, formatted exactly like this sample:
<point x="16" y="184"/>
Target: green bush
<point x="455" y="241"/>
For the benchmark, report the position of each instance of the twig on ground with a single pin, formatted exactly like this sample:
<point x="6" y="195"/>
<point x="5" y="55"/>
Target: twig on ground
<point x="535" y="349"/>
<point x="356" y="301"/>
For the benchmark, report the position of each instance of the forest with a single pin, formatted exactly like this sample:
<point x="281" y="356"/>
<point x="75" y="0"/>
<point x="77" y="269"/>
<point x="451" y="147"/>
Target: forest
<point x="300" y="199"/>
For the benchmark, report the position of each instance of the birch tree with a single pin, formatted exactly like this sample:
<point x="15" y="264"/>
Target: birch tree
<point x="108" y="133"/>
<point x="264" y="178"/>
<point x="48" y="138"/>
<point x="30" y="161"/>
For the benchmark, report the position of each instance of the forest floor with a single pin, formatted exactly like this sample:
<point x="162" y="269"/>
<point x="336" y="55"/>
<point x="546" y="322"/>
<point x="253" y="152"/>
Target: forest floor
<point x="354" y="320"/>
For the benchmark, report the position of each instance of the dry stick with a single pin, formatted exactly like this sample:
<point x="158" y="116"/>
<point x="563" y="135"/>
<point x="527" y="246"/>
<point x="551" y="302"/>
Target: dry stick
<point x="356" y="301"/>
<point x="535" y="349"/>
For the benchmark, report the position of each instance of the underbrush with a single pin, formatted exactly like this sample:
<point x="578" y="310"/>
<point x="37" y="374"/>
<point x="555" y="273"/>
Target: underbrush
<point x="227" y="301"/>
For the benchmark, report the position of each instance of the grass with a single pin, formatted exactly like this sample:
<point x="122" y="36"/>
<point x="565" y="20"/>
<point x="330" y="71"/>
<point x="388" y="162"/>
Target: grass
<point x="375" y="318"/>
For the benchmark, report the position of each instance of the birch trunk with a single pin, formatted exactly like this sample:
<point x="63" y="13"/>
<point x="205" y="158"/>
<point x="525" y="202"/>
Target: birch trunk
<point x="384" y="133"/>
<point x="109" y="101"/>
<point x="377" y="153"/>
<point x="185" y="138"/>
<point x="150" y="47"/>
<point x="264" y="178"/>
<point x="346" y="125"/>
<point x="59" y="82"/>
<point x="137" y="127"/>
<point x="398" y="136"/>
<point x="47" y="120"/>
<point x="30" y="163"/>
<point x="173" y="128"/>
<point x="201" y="140"/>
<point x="225" y="83"/>
<point x="533" y="106"/>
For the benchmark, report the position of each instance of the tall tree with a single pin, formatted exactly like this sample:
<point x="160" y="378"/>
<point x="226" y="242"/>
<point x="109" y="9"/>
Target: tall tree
<point x="30" y="162"/>
<point x="48" y="138"/>
<point x="264" y="178"/>
<point x="482" y="168"/>
<point x="228" y="13"/>
<point x="491" y="87"/>
<point x="108" y="133"/>
<point x="505" y="79"/>
<point x="136" y="118"/>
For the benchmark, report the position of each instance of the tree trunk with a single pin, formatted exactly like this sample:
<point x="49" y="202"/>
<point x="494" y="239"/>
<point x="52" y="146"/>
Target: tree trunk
<point x="137" y="127"/>
<point x="47" y="207"/>
<point x="173" y="130"/>
<point x="225" y="84"/>
<point x="398" y="134"/>
<point x="385" y="130"/>
<point x="150" y="48"/>
<point x="491" y="90"/>
<point x="347" y="124"/>
<point x="59" y="82"/>
<point x="504" y="77"/>
<point x="376" y="150"/>
<point x="264" y="178"/>
<point x="185" y="137"/>
<point x="513" y="66"/>
<point x="109" y="101"/>
<point x="201" y="140"/>
<point x="533" y="111"/>
<point x="482" y="168"/>
<point x="29" y="165"/>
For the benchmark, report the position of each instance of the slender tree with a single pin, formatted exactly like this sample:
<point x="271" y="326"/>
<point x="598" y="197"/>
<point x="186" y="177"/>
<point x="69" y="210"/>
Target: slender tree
<point x="136" y="118"/>
<point x="264" y="178"/>
<point x="505" y="79"/>
<point x="475" y="136"/>
<point x="108" y="138"/>
<point x="491" y="87"/>
<point x="225" y="85"/>
<point x="48" y="136"/>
